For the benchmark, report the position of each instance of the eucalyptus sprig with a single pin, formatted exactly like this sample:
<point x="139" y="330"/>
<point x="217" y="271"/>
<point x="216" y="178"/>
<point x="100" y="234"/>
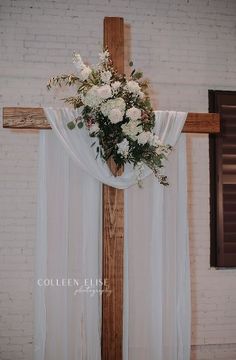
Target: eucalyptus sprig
<point x="117" y="111"/>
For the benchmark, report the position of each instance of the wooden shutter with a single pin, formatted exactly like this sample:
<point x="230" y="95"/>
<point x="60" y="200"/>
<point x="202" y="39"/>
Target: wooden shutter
<point x="223" y="181"/>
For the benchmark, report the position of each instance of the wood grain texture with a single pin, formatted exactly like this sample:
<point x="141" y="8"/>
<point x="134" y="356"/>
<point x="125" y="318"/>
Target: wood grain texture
<point x="202" y="123"/>
<point x="113" y="40"/>
<point x="24" y="118"/>
<point x="34" y="118"/>
<point x="113" y="248"/>
<point x="113" y="225"/>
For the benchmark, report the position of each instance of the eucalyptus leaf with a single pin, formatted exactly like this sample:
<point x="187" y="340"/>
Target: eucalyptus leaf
<point x="71" y="125"/>
<point x="80" y="124"/>
<point x="138" y="75"/>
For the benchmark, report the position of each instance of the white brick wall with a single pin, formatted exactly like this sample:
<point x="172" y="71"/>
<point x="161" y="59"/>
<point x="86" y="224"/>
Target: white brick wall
<point x="185" y="47"/>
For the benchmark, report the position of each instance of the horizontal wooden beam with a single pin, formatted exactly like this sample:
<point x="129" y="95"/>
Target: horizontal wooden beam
<point x="202" y="123"/>
<point x="25" y="118"/>
<point x="34" y="118"/>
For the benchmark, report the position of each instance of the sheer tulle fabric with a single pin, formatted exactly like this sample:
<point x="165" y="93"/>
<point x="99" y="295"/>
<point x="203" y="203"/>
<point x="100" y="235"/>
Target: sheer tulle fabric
<point x="78" y="143"/>
<point x="156" y="283"/>
<point x="68" y="247"/>
<point x="157" y="287"/>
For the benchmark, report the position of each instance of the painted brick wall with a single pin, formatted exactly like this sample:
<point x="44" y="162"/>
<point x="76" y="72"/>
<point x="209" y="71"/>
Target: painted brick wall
<point x="186" y="47"/>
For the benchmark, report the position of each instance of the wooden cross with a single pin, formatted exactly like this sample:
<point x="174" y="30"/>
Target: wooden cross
<point x="113" y="199"/>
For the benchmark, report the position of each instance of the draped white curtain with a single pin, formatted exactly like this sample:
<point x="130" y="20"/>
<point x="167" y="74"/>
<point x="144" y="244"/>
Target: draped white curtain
<point x="156" y="293"/>
<point x="68" y="247"/>
<point x="157" y="289"/>
<point x="78" y="143"/>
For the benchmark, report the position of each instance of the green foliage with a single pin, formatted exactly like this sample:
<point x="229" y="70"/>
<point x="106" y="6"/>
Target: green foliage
<point x="137" y="75"/>
<point x="80" y="124"/>
<point x="71" y="125"/>
<point x="60" y="80"/>
<point x="110" y="134"/>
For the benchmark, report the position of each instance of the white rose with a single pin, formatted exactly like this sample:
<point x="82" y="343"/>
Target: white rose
<point x="133" y="113"/>
<point x="115" y="85"/>
<point x="115" y="115"/>
<point x="106" y="107"/>
<point x="144" y="137"/>
<point x="85" y="72"/>
<point x="123" y="148"/>
<point x="104" y="91"/>
<point x="131" y="129"/>
<point x="106" y="77"/>
<point x="133" y="87"/>
<point x="94" y="129"/>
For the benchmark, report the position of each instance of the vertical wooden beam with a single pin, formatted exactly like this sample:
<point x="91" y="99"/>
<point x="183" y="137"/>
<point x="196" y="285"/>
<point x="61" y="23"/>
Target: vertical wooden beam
<point x="113" y="225"/>
<point x="114" y="40"/>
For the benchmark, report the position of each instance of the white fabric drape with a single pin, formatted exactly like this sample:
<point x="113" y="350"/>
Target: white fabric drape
<point x="78" y="144"/>
<point x="156" y="292"/>
<point x="68" y="247"/>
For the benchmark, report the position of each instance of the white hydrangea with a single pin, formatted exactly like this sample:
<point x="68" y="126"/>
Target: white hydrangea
<point x="144" y="137"/>
<point x="133" y="113"/>
<point x="115" y="85"/>
<point x="115" y="115"/>
<point x="154" y="140"/>
<point x="84" y="73"/>
<point x="133" y="87"/>
<point x="92" y="98"/>
<point x="111" y="104"/>
<point x="94" y="129"/>
<point x="106" y="76"/>
<point x="131" y="129"/>
<point x="104" y="91"/>
<point x="123" y="148"/>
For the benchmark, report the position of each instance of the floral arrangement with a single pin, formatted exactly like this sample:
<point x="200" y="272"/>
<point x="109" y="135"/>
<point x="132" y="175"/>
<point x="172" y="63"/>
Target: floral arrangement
<point x="117" y="110"/>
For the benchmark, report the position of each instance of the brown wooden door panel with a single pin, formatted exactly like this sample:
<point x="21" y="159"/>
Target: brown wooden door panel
<point x="223" y="180"/>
